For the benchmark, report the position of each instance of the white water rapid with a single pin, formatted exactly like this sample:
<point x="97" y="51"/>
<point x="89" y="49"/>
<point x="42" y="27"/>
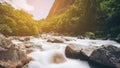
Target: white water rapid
<point x="44" y="58"/>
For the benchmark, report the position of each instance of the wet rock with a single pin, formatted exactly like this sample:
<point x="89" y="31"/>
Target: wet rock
<point x="107" y="55"/>
<point x="24" y="45"/>
<point x="28" y="45"/>
<point x="80" y="37"/>
<point x="27" y="38"/>
<point x="21" y="46"/>
<point x="86" y="52"/>
<point x="72" y="51"/>
<point x="66" y="39"/>
<point x="39" y="47"/>
<point x="75" y="52"/>
<point x="23" y="39"/>
<point x="104" y="38"/>
<point x="58" y="58"/>
<point x="28" y="51"/>
<point x="55" y="40"/>
<point x="118" y="39"/>
<point x="36" y="36"/>
<point x="10" y="55"/>
<point x="11" y="38"/>
<point x="26" y="60"/>
<point x="25" y="66"/>
<point x="10" y="64"/>
<point x="2" y="49"/>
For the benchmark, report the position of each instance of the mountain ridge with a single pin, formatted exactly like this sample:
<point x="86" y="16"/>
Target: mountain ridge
<point x="59" y="7"/>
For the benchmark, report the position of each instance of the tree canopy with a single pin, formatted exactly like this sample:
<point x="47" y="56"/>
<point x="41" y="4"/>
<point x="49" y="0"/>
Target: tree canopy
<point x="16" y="22"/>
<point x="97" y="16"/>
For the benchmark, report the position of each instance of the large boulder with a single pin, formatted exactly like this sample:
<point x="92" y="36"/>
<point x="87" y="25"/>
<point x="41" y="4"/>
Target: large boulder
<point x="72" y="51"/>
<point x="10" y="55"/>
<point x="107" y="55"/>
<point x="76" y="52"/>
<point x="87" y="51"/>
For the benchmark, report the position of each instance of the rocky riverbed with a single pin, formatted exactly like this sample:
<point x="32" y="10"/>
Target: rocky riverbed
<point x="10" y="55"/>
<point x="49" y="51"/>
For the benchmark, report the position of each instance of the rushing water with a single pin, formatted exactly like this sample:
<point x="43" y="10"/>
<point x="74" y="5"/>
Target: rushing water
<point x="43" y="58"/>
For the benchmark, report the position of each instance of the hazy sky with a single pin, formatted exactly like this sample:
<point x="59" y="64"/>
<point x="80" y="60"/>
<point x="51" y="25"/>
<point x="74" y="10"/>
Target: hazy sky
<point x="38" y="8"/>
<point x="41" y="7"/>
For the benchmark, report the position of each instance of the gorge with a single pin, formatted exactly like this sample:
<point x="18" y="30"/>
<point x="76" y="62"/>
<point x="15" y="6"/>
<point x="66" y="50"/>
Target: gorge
<point x="75" y="34"/>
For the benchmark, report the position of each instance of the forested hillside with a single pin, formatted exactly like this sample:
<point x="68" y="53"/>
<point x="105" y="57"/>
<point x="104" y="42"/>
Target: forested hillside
<point x="16" y="22"/>
<point x="88" y="30"/>
<point x="101" y="17"/>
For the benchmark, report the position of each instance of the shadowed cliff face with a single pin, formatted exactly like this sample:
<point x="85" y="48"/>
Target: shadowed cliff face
<point x="59" y="7"/>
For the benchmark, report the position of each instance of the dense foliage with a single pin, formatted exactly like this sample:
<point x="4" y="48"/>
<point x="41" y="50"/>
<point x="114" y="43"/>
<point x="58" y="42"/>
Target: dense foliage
<point x="101" y="17"/>
<point x="16" y="22"/>
<point x="98" y="16"/>
<point x="110" y="16"/>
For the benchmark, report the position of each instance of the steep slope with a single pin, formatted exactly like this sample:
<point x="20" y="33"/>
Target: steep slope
<point x="59" y="7"/>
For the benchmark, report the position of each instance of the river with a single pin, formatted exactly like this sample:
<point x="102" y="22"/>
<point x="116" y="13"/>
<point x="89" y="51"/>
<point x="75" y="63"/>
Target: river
<point x="44" y="51"/>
